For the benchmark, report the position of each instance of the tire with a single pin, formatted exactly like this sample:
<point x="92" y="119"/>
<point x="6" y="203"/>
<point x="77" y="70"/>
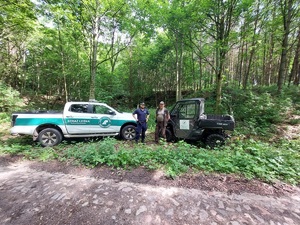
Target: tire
<point x="49" y="137"/>
<point x="128" y="132"/>
<point x="169" y="136"/>
<point x="215" y="140"/>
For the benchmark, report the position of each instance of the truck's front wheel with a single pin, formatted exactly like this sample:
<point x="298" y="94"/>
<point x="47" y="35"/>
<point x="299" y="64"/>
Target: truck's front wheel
<point x="49" y="137"/>
<point x="169" y="135"/>
<point x="128" y="132"/>
<point x="215" y="140"/>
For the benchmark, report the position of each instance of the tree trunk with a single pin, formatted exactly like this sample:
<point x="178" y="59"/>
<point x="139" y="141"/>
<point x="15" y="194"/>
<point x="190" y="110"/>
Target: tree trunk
<point x="200" y="73"/>
<point x="223" y="19"/>
<point x="287" y="16"/>
<point x="270" y="67"/>
<point x="130" y="78"/>
<point x="252" y="47"/>
<point x="62" y="63"/>
<point x="240" y="61"/>
<point x="178" y="49"/>
<point x="93" y="68"/>
<point x="94" y="51"/>
<point x="295" y="72"/>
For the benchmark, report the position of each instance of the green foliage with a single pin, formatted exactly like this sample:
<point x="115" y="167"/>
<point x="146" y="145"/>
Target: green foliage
<point x="23" y="146"/>
<point x="57" y="47"/>
<point x="9" y="100"/>
<point x="252" y="159"/>
<point x="17" y="20"/>
<point x="93" y="153"/>
<point x="257" y="111"/>
<point x="294" y="121"/>
<point x="42" y="154"/>
<point x="4" y="117"/>
<point x="151" y="122"/>
<point x="14" y="149"/>
<point x="270" y="162"/>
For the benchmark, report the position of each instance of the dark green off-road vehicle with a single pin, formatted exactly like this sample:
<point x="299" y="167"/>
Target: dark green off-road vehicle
<point x="188" y="122"/>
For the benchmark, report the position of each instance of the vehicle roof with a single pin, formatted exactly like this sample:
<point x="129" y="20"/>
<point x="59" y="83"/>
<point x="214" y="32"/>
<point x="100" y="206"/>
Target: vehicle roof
<point x="91" y="102"/>
<point x="193" y="99"/>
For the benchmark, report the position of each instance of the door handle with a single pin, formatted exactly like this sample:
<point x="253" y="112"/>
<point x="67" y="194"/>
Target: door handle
<point x="69" y="116"/>
<point x="94" y="117"/>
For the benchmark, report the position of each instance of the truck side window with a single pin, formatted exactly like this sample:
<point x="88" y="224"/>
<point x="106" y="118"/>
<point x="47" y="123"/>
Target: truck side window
<point x="188" y="111"/>
<point x="182" y="112"/>
<point x="175" y="111"/>
<point x="101" y="109"/>
<point x="79" y="108"/>
<point x="191" y="110"/>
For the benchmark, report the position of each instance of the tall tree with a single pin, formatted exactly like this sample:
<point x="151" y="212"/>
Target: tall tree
<point x="17" y="20"/>
<point x="288" y="12"/>
<point x="96" y="19"/>
<point x="176" y="21"/>
<point x="222" y="17"/>
<point x="295" y="72"/>
<point x="255" y="34"/>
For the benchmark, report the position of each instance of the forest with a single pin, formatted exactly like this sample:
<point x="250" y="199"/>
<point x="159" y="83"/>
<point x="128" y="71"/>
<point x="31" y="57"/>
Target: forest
<point x="134" y="50"/>
<point x="242" y="56"/>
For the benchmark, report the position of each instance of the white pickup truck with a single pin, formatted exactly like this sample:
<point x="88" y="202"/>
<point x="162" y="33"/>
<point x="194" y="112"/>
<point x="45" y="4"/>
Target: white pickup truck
<point x="79" y="119"/>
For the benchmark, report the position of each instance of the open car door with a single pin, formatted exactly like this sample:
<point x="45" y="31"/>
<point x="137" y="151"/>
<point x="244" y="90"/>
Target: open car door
<point x="184" y="116"/>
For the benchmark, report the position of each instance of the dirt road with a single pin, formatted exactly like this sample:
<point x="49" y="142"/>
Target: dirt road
<point x="30" y="196"/>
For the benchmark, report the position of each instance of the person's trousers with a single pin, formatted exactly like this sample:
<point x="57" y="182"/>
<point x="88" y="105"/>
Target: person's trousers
<point x="160" y="129"/>
<point x="141" y="131"/>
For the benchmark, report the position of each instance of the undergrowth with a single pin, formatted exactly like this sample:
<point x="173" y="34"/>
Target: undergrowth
<point x="250" y="158"/>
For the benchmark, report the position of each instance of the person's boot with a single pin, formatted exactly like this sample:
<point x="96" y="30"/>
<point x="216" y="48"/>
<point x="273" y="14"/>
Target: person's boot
<point x="143" y="141"/>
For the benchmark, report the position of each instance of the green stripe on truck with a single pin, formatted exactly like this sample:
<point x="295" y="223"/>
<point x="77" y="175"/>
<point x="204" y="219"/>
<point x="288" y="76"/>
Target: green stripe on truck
<point x="59" y="121"/>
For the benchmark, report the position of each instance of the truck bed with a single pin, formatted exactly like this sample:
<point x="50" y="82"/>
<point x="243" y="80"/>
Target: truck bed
<point x="43" y="112"/>
<point x="219" y="117"/>
<point x="224" y="122"/>
<point x="39" y="112"/>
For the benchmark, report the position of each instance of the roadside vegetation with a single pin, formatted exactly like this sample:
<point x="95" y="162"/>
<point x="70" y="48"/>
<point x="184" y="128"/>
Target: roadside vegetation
<point x="256" y="150"/>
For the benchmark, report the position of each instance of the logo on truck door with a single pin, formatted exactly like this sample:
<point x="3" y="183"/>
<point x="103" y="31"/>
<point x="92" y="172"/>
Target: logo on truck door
<point x="104" y="122"/>
<point x="184" y="124"/>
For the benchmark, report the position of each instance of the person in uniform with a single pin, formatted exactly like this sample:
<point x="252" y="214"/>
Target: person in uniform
<point x="141" y="115"/>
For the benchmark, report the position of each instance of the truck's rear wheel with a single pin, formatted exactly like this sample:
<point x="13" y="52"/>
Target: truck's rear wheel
<point x="215" y="140"/>
<point x="49" y="137"/>
<point x="128" y="132"/>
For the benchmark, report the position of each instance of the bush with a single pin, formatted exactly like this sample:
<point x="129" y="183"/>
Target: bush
<point x="9" y="99"/>
<point x="92" y="154"/>
<point x="256" y="112"/>
<point x="250" y="158"/>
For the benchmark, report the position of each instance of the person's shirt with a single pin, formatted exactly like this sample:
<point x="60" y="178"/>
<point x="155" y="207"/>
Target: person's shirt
<point x="141" y="114"/>
<point x="162" y="115"/>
